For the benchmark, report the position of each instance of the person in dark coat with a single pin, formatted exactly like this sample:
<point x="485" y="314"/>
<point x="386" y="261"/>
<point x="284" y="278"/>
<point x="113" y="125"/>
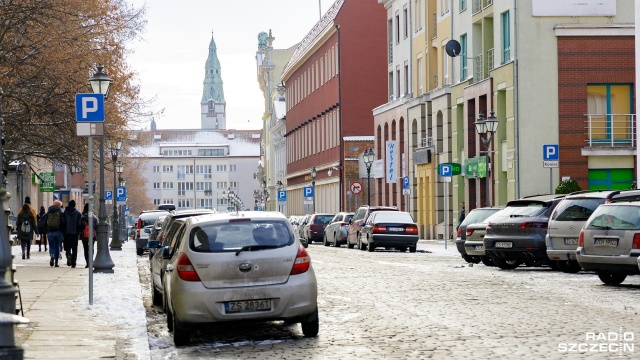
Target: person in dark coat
<point x="42" y="228"/>
<point x="462" y="215"/>
<point x="85" y="239"/>
<point x="71" y="231"/>
<point x="26" y="221"/>
<point x="55" y="232"/>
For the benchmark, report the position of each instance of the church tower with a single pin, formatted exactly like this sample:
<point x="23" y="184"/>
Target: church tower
<point x="213" y="107"/>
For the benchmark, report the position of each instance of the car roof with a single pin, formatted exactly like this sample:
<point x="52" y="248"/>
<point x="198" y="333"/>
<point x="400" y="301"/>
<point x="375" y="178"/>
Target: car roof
<point x="153" y="213"/>
<point x="252" y="215"/>
<point x="192" y="211"/>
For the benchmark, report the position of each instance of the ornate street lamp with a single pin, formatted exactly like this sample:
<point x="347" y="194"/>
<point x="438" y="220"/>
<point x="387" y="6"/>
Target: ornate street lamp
<point x="489" y="127"/>
<point x="117" y="168"/>
<point x="100" y="83"/>
<point x="279" y="186"/>
<point x="368" y="158"/>
<point x="314" y="173"/>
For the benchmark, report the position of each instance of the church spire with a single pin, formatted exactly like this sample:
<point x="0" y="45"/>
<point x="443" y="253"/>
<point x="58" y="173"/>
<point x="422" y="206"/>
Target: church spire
<point x="212" y="104"/>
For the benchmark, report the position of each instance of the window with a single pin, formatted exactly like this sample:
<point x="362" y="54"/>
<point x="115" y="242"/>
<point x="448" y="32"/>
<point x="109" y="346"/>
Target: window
<point x="608" y="108"/>
<point x="463" y="57"/>
<point x="156" y="185"/>
<point x="506" y="37"/>
<point x="205" y="203"/>
<point x="156" y="169"/>
<point x="204" y="186"/>
<point x="418" y="17"/>
<point x="156" y="202"/>
<point x="233" y="184"/>
<point x="397" y="28"/>
<point x="398" y="82"/>
<point x="233" y="168"/>
<point x="405" y="18"/>
<point x="391" y="85"/>
<point x="463" y="5"/>
<point x="167" y="168"/>
<point x="167" y="201"/>
<point x="406" y="77"/>
<point x="221" y="201"/>
<point x="167" y="185"/>
<point x="420" y="80"/>
<point x="181" y="173"/>
<point x="204" y="170"/>
<point x="221" y="168"/>
<point x="183" y="187"/>
<point x="221" y="185"/>
<point x="211" y="152"/>
<point x="184" y="203"/>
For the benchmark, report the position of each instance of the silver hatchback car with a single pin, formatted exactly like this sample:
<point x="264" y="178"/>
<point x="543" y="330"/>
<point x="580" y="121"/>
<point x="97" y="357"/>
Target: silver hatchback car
<point x="609" y="242"/>
<point x="245" y="266"/>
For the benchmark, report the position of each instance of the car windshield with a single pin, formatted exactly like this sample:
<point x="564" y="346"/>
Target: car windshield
<point x="576" y="209"/>
<point x="615" y="217"/>
<point x="233" y="236"/>
<point x="478" y="215"/>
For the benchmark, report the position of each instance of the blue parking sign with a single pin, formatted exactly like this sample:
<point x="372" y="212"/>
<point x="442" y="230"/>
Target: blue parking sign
<point x="108" y="195"/>
<point x="308" y="191"/>
<point x="282" y="195"/>
<point x="89" y="108"/>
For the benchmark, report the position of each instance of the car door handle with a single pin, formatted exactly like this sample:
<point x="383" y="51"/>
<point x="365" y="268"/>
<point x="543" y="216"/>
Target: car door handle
<point x="169" y="268"/>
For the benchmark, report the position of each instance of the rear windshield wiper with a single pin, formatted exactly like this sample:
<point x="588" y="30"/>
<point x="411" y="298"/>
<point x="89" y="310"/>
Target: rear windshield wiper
<point x="602" y="227"/>
<point x="255" y="247"/>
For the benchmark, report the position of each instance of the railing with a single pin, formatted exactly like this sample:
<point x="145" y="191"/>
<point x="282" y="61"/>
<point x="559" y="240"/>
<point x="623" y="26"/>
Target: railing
<point x="506" y="56"/>
<point x="391" y="52"/>
<point x="426" y="141"/>
<point x="611" y="130"/>
<point x="490" y="60"/>
<point x="478" y="73"/>
<point x="488" y="3"/>
<point x="435" y="25"/>
<point x="476" y="7"/>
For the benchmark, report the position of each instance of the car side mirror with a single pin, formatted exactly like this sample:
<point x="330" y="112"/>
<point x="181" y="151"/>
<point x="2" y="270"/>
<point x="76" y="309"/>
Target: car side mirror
<point x="304" y="242"/>
<point x="166" y="252"/>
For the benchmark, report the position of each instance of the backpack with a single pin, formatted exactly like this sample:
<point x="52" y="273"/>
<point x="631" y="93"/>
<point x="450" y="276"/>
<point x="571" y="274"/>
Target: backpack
<point x="53" y="220"/>
<point x="85" y="232"/>
<point x="41" y="223"/>
<point x="25" y="227"/>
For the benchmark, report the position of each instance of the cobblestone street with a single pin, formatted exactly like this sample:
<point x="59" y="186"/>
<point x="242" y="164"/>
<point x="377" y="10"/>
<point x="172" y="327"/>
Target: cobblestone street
<point x="431" y="304"/>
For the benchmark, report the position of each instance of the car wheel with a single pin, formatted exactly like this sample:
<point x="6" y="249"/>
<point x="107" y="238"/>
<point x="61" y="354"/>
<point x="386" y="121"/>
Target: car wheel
<point x="360" y="246"/>
<point x="139" y="251"/>
<point x="336" y="243"/>
<point x="554" y="265"/>
<point x="506" y="264"/>
<point x="156" y="296"/>
<point x="569" y="266"/>
<point x="371" y="247"/>
<point x="611" y="278"/>
<point x="324" y="240"/>
<point x="471" y="259"/>
<point x="169" y="316"/>
<point x="412" y="249"/>
<point x="487" y="261"/>
<point x="349" y="245"/>
<point x="180" y="333"/>
<point x="401" y="248"/>
<point x="311" y="325"/>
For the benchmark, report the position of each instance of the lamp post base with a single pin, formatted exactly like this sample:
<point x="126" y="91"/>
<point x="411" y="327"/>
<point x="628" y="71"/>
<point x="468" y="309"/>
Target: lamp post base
<point x="103" y="263"/>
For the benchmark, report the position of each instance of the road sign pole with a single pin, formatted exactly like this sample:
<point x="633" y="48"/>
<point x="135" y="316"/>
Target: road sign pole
<point x="90" y="220"/>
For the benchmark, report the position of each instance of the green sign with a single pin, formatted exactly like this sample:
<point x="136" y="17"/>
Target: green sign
<point x="48" y="182"/>
<point x="456" y="169"/>
<point x="475" y="167"/>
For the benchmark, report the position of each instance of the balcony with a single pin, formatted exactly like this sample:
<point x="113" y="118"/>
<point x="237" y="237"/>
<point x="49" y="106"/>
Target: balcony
<point x="611" y="130"/>
<point x="390" y="53"/>
<point x="435" y="25"/>
<point x="478" y="73"/>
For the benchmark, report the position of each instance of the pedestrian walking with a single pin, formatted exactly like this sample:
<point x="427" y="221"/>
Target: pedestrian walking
<point x="26" y="224"/>
<point x="71" y="232"/>
<point x="85" y="233"/>
<point x="27" y="200"/>
<point x="462" y="215"/>
<point x="55" y="225"/>
<point x="42" y="228"/>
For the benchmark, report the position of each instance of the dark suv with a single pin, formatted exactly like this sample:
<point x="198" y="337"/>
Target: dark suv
<point x="357" y="222"/>
<point x="517" y="234"/>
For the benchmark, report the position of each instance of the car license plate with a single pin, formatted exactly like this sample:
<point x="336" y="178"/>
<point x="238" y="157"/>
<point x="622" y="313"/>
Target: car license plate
<point x="396" y="229"/>
<point x="478" y="248"/>
<point x="570" y="241"/>
<point x="504" y="244"/>
<point x="605" y="242"/>
<point x="247" y="306"/>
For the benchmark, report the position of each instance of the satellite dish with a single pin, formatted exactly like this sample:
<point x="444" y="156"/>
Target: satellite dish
<point x="452" y="48"/>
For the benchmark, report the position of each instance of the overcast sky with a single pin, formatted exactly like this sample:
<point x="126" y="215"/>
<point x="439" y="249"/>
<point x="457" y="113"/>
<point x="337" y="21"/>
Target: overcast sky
<point x="170" y="58"/>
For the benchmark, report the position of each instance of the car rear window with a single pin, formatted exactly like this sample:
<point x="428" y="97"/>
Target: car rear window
<point x="615" y="217"/>
<point x="323" y="219"/>
<point x="522" y="209"/>
<point x="478" y="215"/>
<point x="578" y="209"/>
<point x="348" y="217"/>
<point x="393" y="216"/>
<point x="232" y="236"/>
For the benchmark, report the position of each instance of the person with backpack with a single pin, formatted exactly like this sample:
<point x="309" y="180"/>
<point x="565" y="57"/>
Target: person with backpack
<point x="71" y="231"/>
<point x="42" y="228"/>
<point x="26" y="224"/>
<point x="55" y="225"/>
<point x="85" y="232"/>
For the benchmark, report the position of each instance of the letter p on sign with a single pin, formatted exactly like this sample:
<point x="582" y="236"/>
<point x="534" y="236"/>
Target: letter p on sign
<point x="89" y="107"/>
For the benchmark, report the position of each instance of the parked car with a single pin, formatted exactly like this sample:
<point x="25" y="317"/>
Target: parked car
<point x="475" y="216"/>
<point x="153" y="237"/>
<point x="569" y="217"/>
<point x="609" y="242"/>
<point x="474" y="240"/>
<point x="301" y="224"/>
<point x="158" y="263"/>
<point x="153" y="244"/>
<point x="517" y="234"/>
<point x="146" y="218"/>
<point x="336" y="232"/>
<point x="314" y="229"/>
<point x="358" y="219"/>
<point x="389" y="229"/>
<point x="245" y="266"/>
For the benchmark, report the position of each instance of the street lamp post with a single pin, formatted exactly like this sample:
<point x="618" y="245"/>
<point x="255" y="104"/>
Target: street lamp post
<point x="117" y="168"/>
<point x="100" y="84"/>
<point x="279" y="185"/>
<point x="368" y="158"/>
<point x="314" y="173"/>
<point x="487" y="126"/>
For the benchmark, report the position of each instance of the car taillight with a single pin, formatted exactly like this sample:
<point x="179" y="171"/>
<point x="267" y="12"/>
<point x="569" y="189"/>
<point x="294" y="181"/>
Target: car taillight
<point x="302" y="263"/>
<point x="468" y="232"/>
<point x="379" y="229"/>
<point x="581" y="239"/>
<point x="459" y="232"/>
<point x="411" y="229"/>
<point x="636" y="241"/>
<point x="534" y="225"/>
<point x="185" y="269"/>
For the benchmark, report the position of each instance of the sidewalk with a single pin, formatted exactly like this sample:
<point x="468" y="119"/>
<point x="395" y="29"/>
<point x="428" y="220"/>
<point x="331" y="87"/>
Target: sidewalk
<point x="62" y="323"/>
